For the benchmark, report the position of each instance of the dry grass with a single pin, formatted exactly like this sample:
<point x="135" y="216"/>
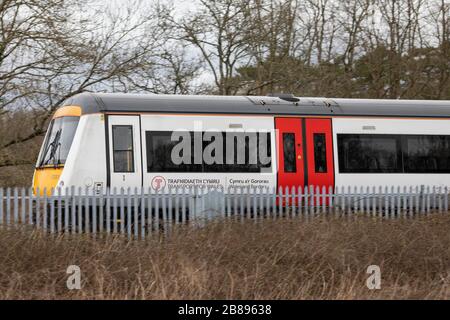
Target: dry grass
<point x="290" y="259"/>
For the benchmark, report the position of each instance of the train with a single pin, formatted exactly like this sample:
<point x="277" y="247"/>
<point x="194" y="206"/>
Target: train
<point x="152" y="142"/>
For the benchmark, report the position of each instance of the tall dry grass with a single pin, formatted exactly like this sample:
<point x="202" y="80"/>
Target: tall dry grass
<point x="324" y="258"/>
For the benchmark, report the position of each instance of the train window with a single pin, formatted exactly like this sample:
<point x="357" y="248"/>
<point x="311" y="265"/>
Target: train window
<point x="320" y="153"/>
<point x="426" y="154"/>
<point x="123" y="148"/>
<point x="58" y="141"/>
<point x="360" y="153"/>
<point x="255" y="146"/>
<point x="159" y="153"/>
<point x="290" y="164"/>
<point x="214" y="155"/>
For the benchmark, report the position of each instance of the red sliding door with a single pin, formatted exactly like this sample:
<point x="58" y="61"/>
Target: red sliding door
<point x="291" y="170"/>
<point x="319" y="152"/>
<point x="305" y="152"/>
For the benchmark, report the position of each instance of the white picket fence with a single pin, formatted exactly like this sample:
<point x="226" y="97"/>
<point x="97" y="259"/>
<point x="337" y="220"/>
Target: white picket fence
<point x="141" y="212"/>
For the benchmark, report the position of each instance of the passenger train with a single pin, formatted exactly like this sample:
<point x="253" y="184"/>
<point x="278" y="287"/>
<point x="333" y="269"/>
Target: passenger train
<point x="101" y="141"/>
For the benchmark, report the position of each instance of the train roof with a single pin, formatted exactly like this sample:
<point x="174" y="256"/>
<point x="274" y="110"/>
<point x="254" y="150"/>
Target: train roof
<point x="257" y="105"/>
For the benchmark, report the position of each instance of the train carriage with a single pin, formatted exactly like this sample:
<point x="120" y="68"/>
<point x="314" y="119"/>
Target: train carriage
<point x="102" y="141"/>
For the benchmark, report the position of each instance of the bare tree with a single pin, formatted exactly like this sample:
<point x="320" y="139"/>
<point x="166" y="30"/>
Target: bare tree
<point x="219" y="31"/>
<point x="42" y="67"/>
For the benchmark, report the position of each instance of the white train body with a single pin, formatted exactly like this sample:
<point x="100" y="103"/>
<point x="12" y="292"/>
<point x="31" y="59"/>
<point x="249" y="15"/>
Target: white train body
<point x="123" y="141"/>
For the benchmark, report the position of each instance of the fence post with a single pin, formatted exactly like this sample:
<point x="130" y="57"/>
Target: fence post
<point x="164" y="207"/>
<point x="330" y="200"/>
<point x="383" y="200"/>
<point x="143" y="212"/>
<point x="235" y="203"/>
<point x="341" y="197"/>
<point x="280" y="202"/>
<point x="177" y="206"/>
<point x="260" y="213"/>
<point x="23" y="208"/>
<point x="366" y="201"/>
<point x="392" y="201"/>
<point x="128" y="216"/>
<point x="1" y="206"/>
<point x="68" y="197"/>
<point x="80" y="210"/>
<point x="336" y="201"/>
<point x="136" y="213"/>
<point x="101" y="206"/>
<point x="318" y="206"/>
<point x="94" y="212"/>
<point x="422" y="199"/>
<point x="157" y="192"/>
<point x="248" y="197"/>
<point x="108" y="209"/>
<point x="446" y="199"/>
<point x="306" y="197"/>
<point x="273" y="198"/>
<point x="184" y="194"/>
<point x="300" y="202"/>
<point x="45" y="218"/>
<point x="122" y="209"/>
<point x="241" y="203"/>
<point x="405" y="201"/>
<point x="87" y="203"/>
<point x="433" y="199"/>
<point x="38" y="207"/>
<point x="293" y="199"/>
<point x="30" y="206"/>
<point x="149" y="212"/>
<point x="349" y="201"/>
<point x="228" y="196"/>
<point x="59" y="212"/>
<point x="16" y="205"/>
<point x="411" y="202"/>
<point x="73" y="225"/>
<point x="256" y="196"/>
<point x="51" y="217"/>
<point x="359" y="205"/>
<point x="355" y="200"/>
<point x="398" y="197"/>
<point x="8" y="207"/>
<point x="164" y="211"/>
<point x="312" y="201"/>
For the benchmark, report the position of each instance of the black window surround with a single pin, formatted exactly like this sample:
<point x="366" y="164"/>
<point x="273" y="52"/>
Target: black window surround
<point x="320" y="153"/>
<point x="389" y="153"/>
<point x="159" y="147"/>
<point x="123" y="150"/>
<point x="289" y="156"/>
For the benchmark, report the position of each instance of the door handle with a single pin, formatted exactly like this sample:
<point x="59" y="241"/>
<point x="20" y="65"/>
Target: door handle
<point x="299" y="157"/>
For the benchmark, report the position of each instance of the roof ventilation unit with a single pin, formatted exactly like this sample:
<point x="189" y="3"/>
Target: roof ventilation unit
<point x="284" y="96"/>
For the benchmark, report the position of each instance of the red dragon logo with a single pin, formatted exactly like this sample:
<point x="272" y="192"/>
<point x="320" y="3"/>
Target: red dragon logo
<point x="158" y="183"/>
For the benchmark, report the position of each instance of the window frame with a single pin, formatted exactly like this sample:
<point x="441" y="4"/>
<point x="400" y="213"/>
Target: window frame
<point x="293" y="151"/>
<point x="62" y="123"/>
<point x="206" y="168"/>
<point x="398" y="151"/>
<point x="324" y="151"/>
<point x="401" y="152"/>
<point x="406" y="156"/>
<point x="133" y="169"/>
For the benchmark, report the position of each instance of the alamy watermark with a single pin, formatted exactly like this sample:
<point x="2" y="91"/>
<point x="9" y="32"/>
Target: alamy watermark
<point x="373" y="282"/>
<point x="74" y="280"/>
<point x="216" y="147"/>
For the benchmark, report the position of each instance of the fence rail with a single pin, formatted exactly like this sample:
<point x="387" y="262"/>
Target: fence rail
<point x="142" y="212"/>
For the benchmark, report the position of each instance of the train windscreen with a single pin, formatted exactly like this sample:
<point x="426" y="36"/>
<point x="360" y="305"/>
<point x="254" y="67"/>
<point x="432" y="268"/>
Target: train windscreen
<point x="58" y="141"/>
